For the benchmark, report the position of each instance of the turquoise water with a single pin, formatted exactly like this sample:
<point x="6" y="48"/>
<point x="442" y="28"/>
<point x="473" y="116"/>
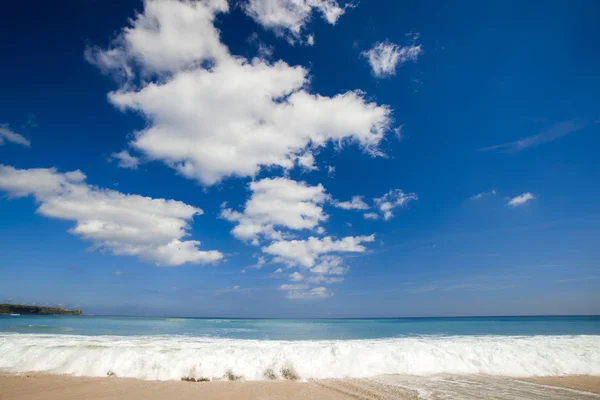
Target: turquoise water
<point x="302" y="329"/>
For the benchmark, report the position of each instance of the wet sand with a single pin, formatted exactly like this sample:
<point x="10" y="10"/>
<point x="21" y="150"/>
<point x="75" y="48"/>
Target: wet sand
<point x="583" y="383"/>
<point x="55" y="387"/>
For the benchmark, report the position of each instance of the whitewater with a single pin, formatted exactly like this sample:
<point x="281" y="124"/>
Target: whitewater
<point x="176" y="357"/>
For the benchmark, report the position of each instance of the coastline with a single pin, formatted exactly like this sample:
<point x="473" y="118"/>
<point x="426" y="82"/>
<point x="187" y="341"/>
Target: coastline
<point x="34" y="386"/>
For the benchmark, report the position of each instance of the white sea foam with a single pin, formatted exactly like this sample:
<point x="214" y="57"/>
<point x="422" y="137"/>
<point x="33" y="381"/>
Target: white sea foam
<point x="174" y="357"/>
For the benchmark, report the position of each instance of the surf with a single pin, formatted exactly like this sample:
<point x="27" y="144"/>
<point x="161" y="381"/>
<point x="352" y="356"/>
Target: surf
<point x="178" y="357"/>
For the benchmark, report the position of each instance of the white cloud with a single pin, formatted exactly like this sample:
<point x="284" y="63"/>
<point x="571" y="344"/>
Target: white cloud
<point x="123" y="224"/>
<point x="168" y="36"/>
<point x="307" y="161"/>
<point x="392" y="199"/>
<point x="357" y="203"/>
<point x="119" y="273"/>
<point x="306" y="252"/>
<point x="330" y="265"/>
<point x="520" y="200"/>
<point x="278" y="271"/>
<point x="125" y="160"/>
<point x="330" y="171"/>
<point x="398" y="132"/>
<point x="324" y="279"/>
<point x="232" y="116"/>
<point x="481" y="195"/>
<point x="289" y="17"/>
<point x="238" y="117"/>
<point x="258" y="265"/>
<point x="314" y="293"/>
<point x="371" y="215"/>
<point x="6" y="135"/>
<point x="329" y="269"/>
<point x="293" y="287"/>
<point x="296" y="277"/>
<point x="278" y="203"/>
<point x="384" y="57"/>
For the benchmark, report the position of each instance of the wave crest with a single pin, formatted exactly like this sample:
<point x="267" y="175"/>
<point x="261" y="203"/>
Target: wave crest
<point x="172" y="358"/>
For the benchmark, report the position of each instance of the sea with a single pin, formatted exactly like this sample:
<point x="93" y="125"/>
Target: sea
<point x="302" y="349"/>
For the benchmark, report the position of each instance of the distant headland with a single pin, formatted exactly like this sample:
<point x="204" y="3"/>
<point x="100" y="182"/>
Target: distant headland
<point x="36" y="310"/>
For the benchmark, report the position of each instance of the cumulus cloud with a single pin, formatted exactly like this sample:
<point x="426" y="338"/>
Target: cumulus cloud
<point x="356" y="203"/>
<point x="392" y="199"/>
<point x="213" y="115"/>
<point x="520" y="200"/>
<point x="278" y="203"/>
<point x="125" y="160"/>
<point x="296" y="277"/>
<point x="329" y="265"/>
<point x="289" y="17"/>
<point x="168" y="36"/>
<point x="306" y="252"/>
<point x="6" y="135"/>
<point x="123" y="224"/>
<point x="384" y="57"/>
<point x="329" y="269"/>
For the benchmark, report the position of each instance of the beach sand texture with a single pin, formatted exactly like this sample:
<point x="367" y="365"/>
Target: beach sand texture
<point x="62" y="387"/>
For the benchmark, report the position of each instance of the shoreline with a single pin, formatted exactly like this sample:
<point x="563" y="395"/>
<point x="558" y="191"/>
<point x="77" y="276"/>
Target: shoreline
<point x="33" y="386"/>
<point x="584" y="383"/>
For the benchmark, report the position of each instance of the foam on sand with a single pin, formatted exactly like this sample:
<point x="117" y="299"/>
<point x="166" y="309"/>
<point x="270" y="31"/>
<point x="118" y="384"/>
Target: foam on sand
<point x="176" y="357"/>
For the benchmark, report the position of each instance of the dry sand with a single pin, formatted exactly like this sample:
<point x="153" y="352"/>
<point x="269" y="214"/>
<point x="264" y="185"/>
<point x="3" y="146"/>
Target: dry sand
<point x="61" y="387"/>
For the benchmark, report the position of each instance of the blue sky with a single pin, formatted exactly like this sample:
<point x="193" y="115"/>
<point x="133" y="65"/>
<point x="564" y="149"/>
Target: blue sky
<point x="200" y="159"/>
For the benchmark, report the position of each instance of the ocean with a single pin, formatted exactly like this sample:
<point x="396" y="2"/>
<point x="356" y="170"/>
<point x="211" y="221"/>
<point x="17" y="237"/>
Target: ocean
<point x="257" y="349"/>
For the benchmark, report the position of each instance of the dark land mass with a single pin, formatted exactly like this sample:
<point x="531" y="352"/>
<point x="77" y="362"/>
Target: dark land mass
<point x="36" y="310"/>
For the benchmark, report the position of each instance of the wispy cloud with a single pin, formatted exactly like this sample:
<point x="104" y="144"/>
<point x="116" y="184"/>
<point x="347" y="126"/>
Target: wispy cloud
<point x="232" y="289"/>
<point x="6" y="135"/>
<point x="483" y="194"/>
<point x="356" y="203"/>
<point x="555" y="132"/>
<point x="520" y="200"/>
<point x="384" y="57"/>
<point x="580" y="279"/>
<point x="258" y="265"/>
<point x="125" y="160"/>
<point x="468" y="286"/>
<point x="119" y="273"/>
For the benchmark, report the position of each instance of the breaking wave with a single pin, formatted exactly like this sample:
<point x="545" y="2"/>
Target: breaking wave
<point x="177" y="357"/>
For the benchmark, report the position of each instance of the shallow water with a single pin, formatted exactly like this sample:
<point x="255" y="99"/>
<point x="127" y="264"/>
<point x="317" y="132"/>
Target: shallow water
<point x="302" y="329"/>
<point x="448" y="387"/>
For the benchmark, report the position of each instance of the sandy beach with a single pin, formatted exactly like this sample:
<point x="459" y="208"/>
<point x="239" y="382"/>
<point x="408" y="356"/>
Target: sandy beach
<point x="582" y="383"/>
<point x="55" y="387"/>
